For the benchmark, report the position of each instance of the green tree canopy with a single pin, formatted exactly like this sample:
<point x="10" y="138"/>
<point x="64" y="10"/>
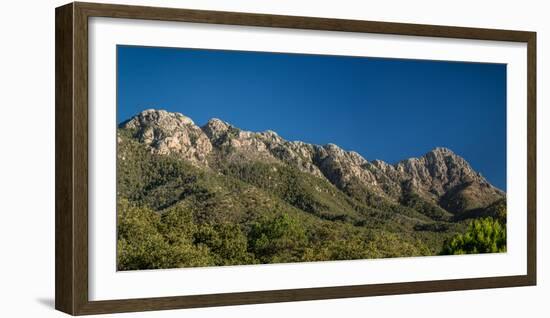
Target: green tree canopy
<point x="482" y="236"/>
<point x="277" y="239"/>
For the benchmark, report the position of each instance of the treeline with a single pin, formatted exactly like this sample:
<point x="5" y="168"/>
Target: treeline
<point x="152" y="240"/>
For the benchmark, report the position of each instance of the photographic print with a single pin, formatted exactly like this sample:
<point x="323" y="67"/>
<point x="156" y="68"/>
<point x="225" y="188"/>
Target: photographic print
<point x="240" y="158"/>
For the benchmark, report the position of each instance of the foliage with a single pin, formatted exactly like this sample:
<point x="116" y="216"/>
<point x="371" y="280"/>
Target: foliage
<point x="415" y="202"/>
<point x="496" y="210"/>
<point x="171" y="213"/>
<point x="278" y="239"/>
<point x="142" y="246"/>
<point x="227" y="243"/>
<point x="482" y="236"/>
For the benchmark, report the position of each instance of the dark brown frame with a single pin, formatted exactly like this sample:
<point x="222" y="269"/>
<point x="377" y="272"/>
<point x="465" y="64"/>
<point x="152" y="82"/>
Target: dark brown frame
<point x="71" y="157"/>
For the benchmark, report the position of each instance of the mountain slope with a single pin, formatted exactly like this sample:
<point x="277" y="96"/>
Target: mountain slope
<point x="238" y="187"/>
<point x="440" y="177"/>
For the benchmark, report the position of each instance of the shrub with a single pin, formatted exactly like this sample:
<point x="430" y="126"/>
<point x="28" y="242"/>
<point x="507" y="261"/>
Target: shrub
<point x="482" y="236"/>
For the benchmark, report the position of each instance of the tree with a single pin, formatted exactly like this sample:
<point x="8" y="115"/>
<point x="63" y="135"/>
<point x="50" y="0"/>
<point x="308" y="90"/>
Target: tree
<point x="146" y="242"/>
<point x="227" y="243"/>
<point x="140" y="245"/>
<point x="277" y="239"/>
<point x="482" y="236"/>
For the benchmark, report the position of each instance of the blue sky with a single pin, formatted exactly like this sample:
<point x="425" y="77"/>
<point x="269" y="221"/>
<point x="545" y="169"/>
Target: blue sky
<point x="388" y="109"/>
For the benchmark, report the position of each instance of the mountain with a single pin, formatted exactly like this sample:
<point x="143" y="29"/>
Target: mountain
<point x="221" y="174"/>
<point x="440" y="177"/>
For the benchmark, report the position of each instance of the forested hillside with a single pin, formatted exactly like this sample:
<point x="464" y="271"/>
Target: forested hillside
<point x="218" y="195"/>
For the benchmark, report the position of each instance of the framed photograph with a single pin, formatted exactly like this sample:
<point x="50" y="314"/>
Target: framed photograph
<point x="218" y="158"/>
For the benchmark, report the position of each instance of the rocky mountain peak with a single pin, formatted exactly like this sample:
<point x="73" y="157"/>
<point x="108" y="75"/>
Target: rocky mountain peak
<point x="215" y="128"/>
<point x="166" y="132"/>
<point x="271" y="133"/>
<point x="160" y="118"/>
<point x="441" y="150"/>
<point x="440" y="172"/>
<point x="438" y="175"/>
<point x="445" y="156"/>
<point x="333" y="148"/>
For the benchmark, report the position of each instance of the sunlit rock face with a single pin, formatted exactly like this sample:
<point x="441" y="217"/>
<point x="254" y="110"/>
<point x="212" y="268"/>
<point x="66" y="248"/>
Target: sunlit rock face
<point x="440" y="176"/>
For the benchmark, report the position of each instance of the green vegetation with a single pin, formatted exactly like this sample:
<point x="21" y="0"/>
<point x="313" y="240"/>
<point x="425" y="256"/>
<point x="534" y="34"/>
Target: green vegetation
<point x="142" y="245"/>
<point x="278" y="239"/>
<point x="483" y="236"/>
<point x="432" y="211"/>
<point x="496" y="210"/>
<point x="172" y="213"/>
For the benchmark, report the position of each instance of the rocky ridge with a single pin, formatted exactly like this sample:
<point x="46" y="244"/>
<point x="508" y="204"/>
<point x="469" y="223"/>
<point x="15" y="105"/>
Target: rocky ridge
<point x="440" y="176"/>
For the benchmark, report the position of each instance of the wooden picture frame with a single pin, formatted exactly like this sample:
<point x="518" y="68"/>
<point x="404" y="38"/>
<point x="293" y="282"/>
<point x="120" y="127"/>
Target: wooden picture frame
<point x="71" y="142"/>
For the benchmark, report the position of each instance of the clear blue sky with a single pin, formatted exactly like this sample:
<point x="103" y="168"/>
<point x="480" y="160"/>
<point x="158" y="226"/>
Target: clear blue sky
<point x="388" y="109"/>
